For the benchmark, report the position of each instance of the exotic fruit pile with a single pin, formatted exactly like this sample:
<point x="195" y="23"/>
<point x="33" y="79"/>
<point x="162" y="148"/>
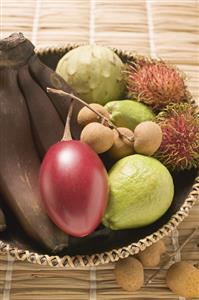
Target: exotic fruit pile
<point x="91" y="145"/>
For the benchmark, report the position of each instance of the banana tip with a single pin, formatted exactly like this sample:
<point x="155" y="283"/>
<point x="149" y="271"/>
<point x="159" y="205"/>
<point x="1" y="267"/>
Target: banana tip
<point x="59" y="247"/>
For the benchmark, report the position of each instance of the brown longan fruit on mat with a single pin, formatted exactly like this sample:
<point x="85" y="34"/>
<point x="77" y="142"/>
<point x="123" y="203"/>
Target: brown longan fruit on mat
<point x="99" y="137"/>
<point x="150" y="257"/>
<point x="122" y="146"/>
<point x="86" y="116"/>
<point x="129" y="274"/>
<point x="147" y="138"/>
<point x="183" y="279"/>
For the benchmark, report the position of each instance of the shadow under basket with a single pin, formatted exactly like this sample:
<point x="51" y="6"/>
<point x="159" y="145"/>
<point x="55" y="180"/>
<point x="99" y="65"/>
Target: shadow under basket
<point x="104" y="245"/>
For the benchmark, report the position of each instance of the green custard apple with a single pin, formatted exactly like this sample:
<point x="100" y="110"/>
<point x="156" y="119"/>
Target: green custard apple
<point x="141" y="191"/>
<point x="129" y="113"/>
<point x="94" y="72"/>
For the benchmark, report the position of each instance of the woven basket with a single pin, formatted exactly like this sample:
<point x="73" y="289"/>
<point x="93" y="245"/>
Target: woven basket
<point x="186" y="197"/>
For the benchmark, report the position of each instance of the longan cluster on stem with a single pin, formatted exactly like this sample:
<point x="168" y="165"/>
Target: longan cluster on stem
<point x="118" y="141"/>
<point x="102" y="135"/>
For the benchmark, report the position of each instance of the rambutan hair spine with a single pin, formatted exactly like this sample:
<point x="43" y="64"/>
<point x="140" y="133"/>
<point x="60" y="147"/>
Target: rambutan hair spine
<point x="156" y="83"/>
<point x="179" y="149"/>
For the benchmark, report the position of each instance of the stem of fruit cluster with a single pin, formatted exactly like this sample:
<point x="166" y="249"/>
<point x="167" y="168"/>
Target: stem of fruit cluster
<point x="170" y="256"/>
<point x="67" y="133"/>
<point x="62" y="93"/>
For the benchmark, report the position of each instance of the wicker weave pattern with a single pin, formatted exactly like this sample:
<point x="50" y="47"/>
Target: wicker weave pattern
<point x="116" y="254"/>
<point x="110" y="256"/>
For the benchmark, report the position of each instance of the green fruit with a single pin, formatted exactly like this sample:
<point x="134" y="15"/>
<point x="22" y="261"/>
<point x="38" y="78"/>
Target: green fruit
<point x="94" y="72"/>
<point x="129" y="113"/>
<point x="141" y="191"/>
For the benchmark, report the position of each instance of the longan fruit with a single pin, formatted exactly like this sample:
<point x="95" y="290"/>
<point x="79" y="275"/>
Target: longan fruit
<point x="129" y="274"/>
<point x="147" y="138"/>
<point x="150" y="257"/>
<point x="183" y="279"/>
<point x="121" y="146"/>
<point x="99" y="137"/>
<point x="86" y="116"/>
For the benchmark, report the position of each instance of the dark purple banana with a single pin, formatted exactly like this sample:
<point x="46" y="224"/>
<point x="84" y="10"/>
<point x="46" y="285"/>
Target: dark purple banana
<point x="46" y="124"/>
<point x="46" y="77"/>
<point x="2" y="221"/>
<point x="19" y="161"/>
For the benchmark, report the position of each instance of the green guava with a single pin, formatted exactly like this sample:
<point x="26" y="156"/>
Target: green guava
<point x="94" y="72"/>
<point x="141" y="191"/>
<point x="129" y="113"/>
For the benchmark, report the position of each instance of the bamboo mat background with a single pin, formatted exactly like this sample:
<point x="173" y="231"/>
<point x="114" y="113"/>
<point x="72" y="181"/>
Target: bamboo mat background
<point x="166" y="29"/>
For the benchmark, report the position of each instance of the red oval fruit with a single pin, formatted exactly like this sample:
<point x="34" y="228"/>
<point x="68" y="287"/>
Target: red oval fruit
<point x="74" y="187"/>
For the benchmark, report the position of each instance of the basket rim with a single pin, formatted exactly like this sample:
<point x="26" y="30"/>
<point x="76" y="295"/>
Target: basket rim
<point x="114" y="255"/>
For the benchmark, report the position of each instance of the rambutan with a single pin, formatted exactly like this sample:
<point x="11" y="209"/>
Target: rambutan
<point x="179" y="149"/>
<point x="155" y="83"/>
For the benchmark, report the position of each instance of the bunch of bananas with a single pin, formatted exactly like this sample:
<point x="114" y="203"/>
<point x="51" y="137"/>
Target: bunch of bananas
<point x="30" y="122"/>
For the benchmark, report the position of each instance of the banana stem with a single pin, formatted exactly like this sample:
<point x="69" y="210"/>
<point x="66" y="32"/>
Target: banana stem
<point x="62" y="93"/>
<point x="67" y="133"/>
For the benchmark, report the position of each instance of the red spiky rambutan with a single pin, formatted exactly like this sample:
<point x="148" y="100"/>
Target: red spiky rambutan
<point x="155" y="83"/>
<point x="179" y="149"/>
